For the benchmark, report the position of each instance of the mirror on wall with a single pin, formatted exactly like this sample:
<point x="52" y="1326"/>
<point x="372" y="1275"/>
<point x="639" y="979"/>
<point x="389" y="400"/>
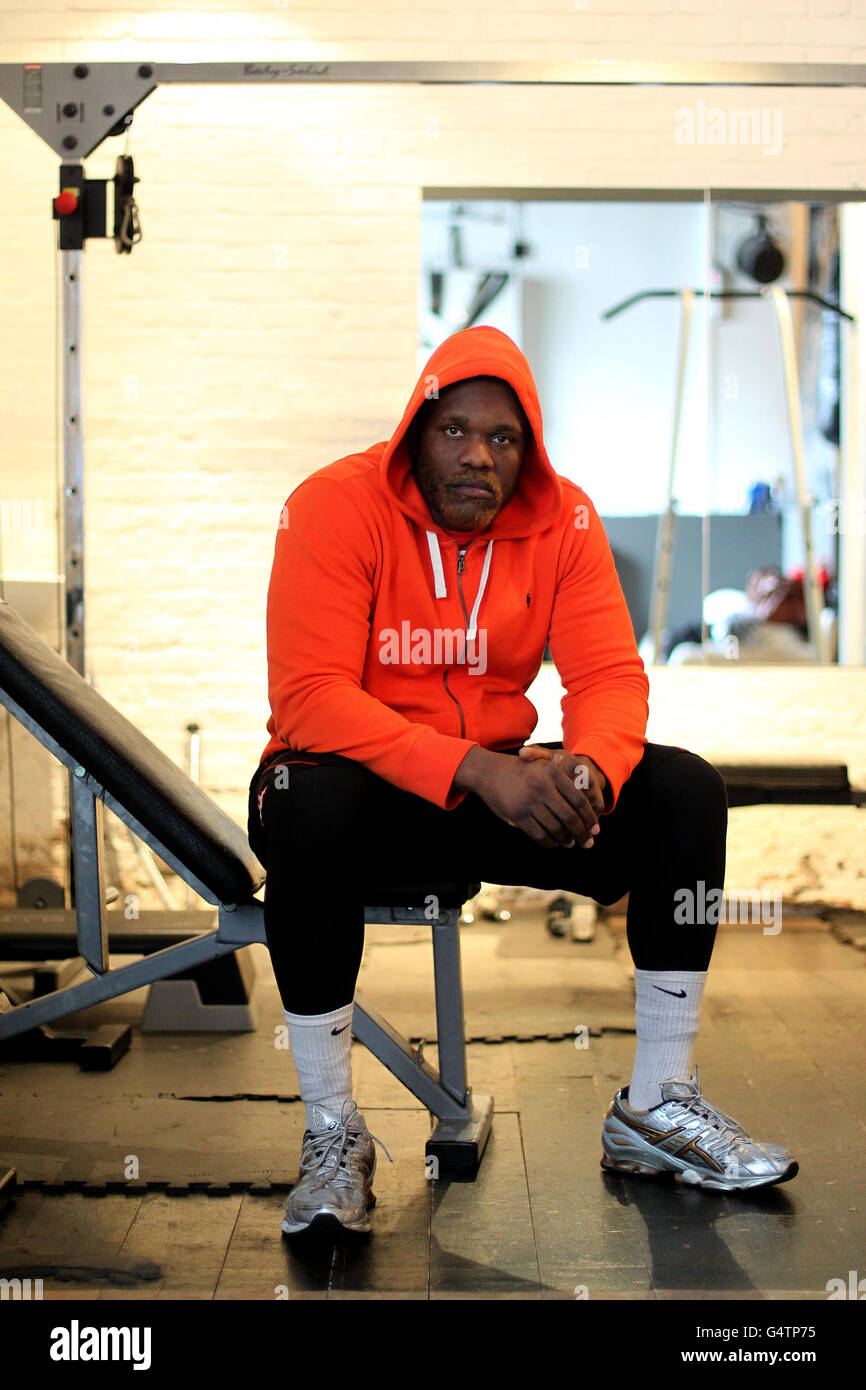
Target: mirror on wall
<point x="688" y="370"/>
<point x="775" y="332"/>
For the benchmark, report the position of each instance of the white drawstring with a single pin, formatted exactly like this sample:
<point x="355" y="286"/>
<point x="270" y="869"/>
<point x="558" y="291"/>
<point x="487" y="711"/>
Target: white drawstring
<point x="473" y="620"/>
<point x="439" y="578"/>
<point x="436" y="561"/>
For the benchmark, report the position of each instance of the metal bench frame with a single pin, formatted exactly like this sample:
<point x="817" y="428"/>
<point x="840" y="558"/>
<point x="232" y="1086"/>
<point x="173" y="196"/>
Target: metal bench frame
<point x="463" y="1119"/>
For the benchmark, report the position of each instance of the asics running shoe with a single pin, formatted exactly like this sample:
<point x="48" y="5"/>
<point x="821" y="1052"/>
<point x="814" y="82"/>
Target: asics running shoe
<point x="335" y="1183"/>
<point x="686" y="1136"/>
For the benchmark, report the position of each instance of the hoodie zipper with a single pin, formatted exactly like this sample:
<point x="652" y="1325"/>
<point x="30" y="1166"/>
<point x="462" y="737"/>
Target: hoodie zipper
<point x="461" y="569"/>
<point x="440" y="590"/>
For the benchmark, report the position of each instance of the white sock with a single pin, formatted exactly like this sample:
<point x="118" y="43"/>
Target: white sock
<point x="321" y="1046"/>
<point x="667" y="1010"/>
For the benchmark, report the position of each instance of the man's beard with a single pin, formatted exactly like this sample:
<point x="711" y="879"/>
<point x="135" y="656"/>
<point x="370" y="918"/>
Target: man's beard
<point x="460" y="513"/>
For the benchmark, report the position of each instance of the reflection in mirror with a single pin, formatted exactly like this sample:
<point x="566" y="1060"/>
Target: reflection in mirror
<point x="547" y="273"/>
<point x="774" y="386"/>
<point x="687" y="360"/>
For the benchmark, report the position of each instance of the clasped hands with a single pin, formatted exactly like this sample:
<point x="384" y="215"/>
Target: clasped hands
<point x="588" y="778"/>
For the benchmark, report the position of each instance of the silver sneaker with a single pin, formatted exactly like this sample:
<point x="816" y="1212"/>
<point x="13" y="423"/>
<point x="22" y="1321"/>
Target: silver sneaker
<point x="686" y="1136"/>
<point x="335" y="1182"/>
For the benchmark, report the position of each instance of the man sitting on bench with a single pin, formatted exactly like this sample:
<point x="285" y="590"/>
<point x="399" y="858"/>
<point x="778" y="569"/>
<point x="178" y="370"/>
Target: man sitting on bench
<point x="414" y="589"/>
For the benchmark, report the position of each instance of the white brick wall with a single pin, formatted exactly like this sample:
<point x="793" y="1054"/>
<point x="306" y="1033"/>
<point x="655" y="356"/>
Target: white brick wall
<point x="266" y="324"/>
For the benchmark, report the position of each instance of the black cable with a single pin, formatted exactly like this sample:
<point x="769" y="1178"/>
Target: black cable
<point x="488" y="288"/>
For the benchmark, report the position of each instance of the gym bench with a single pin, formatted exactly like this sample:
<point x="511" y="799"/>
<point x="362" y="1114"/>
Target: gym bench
<point x="113" y="764"/>
<point x="789" y="784"/>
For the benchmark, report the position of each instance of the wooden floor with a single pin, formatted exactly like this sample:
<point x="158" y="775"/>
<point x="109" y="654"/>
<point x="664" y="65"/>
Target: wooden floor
<point x="782" y="1048"/>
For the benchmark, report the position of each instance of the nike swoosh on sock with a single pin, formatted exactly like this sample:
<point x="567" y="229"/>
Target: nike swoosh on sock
<point x="339" y="1030"/>
<point x="677" y="993"/>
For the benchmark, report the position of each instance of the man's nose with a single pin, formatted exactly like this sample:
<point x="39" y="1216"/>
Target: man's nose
<point x="477" y="453"/>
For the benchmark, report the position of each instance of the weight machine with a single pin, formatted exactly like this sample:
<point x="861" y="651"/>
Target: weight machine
<point x="663" y="560"/>
<point x="74" y="107"/>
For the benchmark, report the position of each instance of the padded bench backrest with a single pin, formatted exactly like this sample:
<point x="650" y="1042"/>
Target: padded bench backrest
<point x="791" y="783"/>
<point x="142" y="778"/>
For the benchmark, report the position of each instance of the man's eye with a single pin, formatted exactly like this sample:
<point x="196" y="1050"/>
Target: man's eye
<point x="505" y="437"/>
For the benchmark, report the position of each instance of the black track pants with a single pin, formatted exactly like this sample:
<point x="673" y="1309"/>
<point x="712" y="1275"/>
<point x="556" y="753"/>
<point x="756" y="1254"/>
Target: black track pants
<point x="337" y="831"/>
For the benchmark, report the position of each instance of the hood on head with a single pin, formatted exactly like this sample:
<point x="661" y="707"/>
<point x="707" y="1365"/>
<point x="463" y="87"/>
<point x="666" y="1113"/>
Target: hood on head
<point x="479" y="351"/>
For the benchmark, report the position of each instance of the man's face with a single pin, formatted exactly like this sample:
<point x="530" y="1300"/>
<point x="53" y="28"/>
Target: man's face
<point x="468" y="451"/>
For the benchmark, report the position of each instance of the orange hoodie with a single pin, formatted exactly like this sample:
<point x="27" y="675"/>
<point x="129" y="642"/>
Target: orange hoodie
<point x="369" y="652"/>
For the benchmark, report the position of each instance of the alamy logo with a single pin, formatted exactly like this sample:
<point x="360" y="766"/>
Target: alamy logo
<point x="21" y="514"/>
<point x="702" y="908"/>
<point x="855" y="1288"/>
<point x="717" y="125"/>
<point x="441" y="646"/>
<point x="22" y="1289"/>
<point x="77" y="1343"/>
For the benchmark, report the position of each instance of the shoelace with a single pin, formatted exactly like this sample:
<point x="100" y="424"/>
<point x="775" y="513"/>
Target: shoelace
<point x="343" y="1137"/>
<point x="729" y="1119"/>
<point x="713" y="1119"/>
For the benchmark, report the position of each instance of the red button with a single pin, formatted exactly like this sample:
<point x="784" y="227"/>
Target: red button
<point x="65" y="202"/>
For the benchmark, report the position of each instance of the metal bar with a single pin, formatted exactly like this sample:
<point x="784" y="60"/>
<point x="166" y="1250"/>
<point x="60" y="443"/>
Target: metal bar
<point x="73" y="458"/>
<point x="74" y="106"/>
<point x="398" y="915"/>
<point x="194" y="759"/>
<point x="72" y="636"/>
<point x="151" y="868"/>
<point x="242" y="926"/>
<point x="601" y="193"/>
<point x="725" y="294"/>
<point x="394" y="1052"/>
<point x="158" y="966"/>
<point x="661" y="580"/>
<point x="450" y="1027"/>
<point x="792" y="392"/>
<point x="182" y="870"/>
<point x="711" y="221"/>
<point x="589" y="72"/>
<point x="849" y="521"/>
<point x="87" y="850"/>
<point x="63" y="756"/>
